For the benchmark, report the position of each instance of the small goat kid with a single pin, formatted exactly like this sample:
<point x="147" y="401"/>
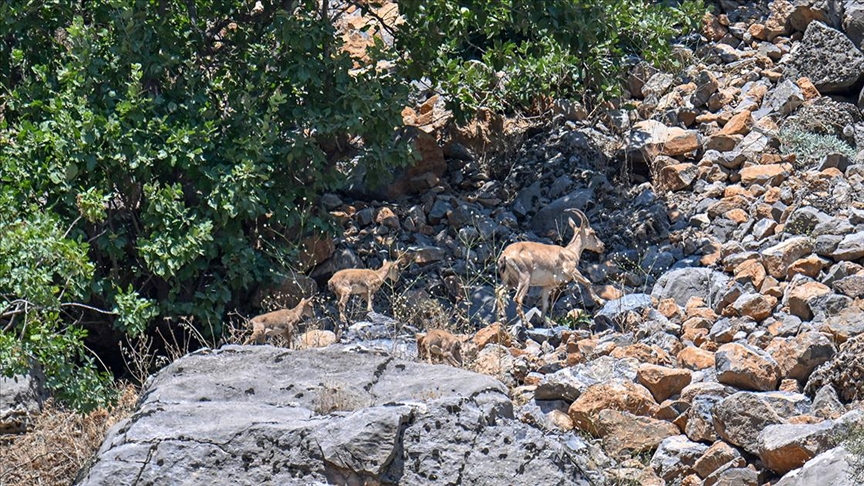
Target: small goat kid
<point x="351" y="281"/>
<point x="282" y="322"/>
<point x="442" y="344"/>
<point x="529" y="264"/>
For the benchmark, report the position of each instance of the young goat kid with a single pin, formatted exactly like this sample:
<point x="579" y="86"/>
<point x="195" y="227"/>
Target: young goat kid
<point x="442" y="344"/>
<point x="529" y="264"/>
<point x="351" y="281"/>
<point x="282" y="322"/>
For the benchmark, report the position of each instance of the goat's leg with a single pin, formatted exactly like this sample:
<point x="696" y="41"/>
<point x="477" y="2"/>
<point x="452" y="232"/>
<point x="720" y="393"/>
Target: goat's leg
<point x="343" y="302"/>
<point x="544" y="301"/>
<point x="521" y="291"/>
<point x="257" y="336"/>
<point x="584" y="281"/>
<point x="369" y="296"/>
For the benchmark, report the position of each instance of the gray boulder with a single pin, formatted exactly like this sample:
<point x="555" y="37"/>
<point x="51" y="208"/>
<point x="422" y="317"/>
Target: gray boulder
<point x="830" y="467"/>
<point x="683" y="283"/>
<point x="826" y="56"/>
<point x="264" y="415"/>
<point x="853" y="21"/>
<point x="21" y="396"/>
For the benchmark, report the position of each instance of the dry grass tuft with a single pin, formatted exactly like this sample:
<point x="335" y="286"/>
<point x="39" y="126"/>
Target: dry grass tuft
<point x="60" y="443"/>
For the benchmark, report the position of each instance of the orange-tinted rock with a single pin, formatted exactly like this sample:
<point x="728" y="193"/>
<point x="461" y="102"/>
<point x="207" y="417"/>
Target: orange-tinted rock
<point x="757" y="306"/>
<point x="810" y="266"/>
<point x="807" y="88"/>
<point x="752" y="271"/>
<point x="739" y="124"/>
<point x="800" y="295"/>
<point x="719" y="454"/>
<point x="626" y="434"/>
<point x="779" y="257"/>
<point x="694" y="358"/>
<point x="770" y="175"/>
<point x="492" y="334"/>
<point x="661" y="381"/>
<point x="620" y="395"/>
<point x="746" y="368"/>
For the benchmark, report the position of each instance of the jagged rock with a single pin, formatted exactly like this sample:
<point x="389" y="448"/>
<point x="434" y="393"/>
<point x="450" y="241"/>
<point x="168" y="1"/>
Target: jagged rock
<point x="756" y="306"/>
<point x="675" y="457"/>
<point x="853" y="286"/>
<point x="625" y="434"/>
<point x="826" y="403"/>
<point x="784" y="447"/>
<point x="663" y="382"/>
<point x="695" y="358"/>
<point x="843" y="372"/>
<point x="683" y="283"/>
<point x="778" y="257"/>
<point x="847" y="324"/>
<point x="803" y="220"/>
<point x="803" y="296"/>
<point x="830" y="467"/>
<point x="569" y="383"/>
<point x="733" y="476"/>
<point x="324" y="416"/>
<point x="700" y="421"/>
<point x="495" y="360"/>
<point x="746" y="367"/>
<point x="548" y="415"/>
<point x="719" y="454"/>
<point x="827" y="57"/>
<point x="764" y="175"/>
<point x="853" y="22"/>
<point x="850" y="248"/>
<point x="553" y="218"/>
<point x="806" y="11"/>
<point x="800" y="355"/>
<point x="614" y="311"/>
<point x="650" y="138"/>
<point x="739" y="418"/>
<point x="620" y="395"/>
<point x="784" y="99"/>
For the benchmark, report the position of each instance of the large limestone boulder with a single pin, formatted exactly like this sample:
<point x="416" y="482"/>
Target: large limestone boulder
<point x="746" y="367"/>
<point x="264" y="415"/>
<point x="739" y="418"/>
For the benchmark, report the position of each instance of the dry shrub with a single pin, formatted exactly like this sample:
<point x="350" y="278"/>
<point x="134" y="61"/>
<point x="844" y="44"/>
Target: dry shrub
<point x="333" y="397"/>
<point x="59" y="443"/>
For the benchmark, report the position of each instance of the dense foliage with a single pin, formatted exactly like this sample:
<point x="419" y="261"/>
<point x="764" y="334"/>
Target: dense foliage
<point x="516" y="55"/>
<point x="160" y="159"/>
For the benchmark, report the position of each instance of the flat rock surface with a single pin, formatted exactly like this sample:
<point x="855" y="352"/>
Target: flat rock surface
<point x="265" y="415"/>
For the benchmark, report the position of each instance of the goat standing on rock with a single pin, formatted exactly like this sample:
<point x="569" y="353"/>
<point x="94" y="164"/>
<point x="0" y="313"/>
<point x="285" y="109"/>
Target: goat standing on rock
<point x="348" y="282"/>
<point x="529" y="264"/>
<point x="283" y="321"/>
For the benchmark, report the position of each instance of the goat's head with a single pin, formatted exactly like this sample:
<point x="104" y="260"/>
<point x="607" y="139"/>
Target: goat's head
<point x="589" y="238"/>
<point x="392" y="269"/>
<point x="306" y="309"/>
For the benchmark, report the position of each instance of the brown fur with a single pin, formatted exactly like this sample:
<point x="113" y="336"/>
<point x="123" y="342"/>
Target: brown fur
<point x="528" y="264"/>
<point x="282" y="322"/>
<point x="359" y="281"/>
<point x="441" y="344"/>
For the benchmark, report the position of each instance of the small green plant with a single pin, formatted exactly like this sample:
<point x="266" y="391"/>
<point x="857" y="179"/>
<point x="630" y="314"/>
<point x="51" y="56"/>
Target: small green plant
<point x="810" y="147"/>
<point x="853" y="440"/>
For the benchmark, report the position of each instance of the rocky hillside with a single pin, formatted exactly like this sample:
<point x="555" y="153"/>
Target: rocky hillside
<point x="730" y="196"/>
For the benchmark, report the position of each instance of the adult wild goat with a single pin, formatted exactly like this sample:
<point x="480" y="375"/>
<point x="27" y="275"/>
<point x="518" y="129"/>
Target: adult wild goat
<point x="529" y="264"/>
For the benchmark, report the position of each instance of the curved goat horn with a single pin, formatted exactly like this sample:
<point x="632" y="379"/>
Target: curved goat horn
<point x="583" y="220"/>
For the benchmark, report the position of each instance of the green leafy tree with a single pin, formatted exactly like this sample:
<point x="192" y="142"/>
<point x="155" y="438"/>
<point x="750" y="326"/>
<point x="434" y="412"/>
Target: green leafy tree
<point x="169" y="155"/>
